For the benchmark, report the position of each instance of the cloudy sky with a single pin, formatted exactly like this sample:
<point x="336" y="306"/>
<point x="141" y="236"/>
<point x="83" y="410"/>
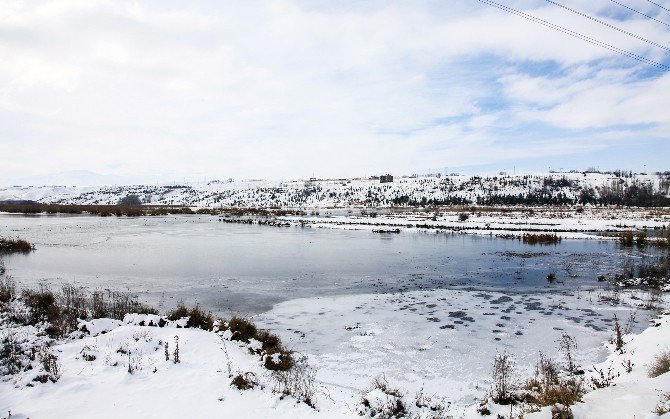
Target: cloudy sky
<point x="287" y="89"/>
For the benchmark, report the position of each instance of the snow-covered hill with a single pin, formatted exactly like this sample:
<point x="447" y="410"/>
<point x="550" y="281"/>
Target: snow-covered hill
<point x="548" y="188"/>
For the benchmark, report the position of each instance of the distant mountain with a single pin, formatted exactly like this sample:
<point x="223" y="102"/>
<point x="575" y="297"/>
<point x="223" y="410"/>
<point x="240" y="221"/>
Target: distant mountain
<point x="522" y="189"/>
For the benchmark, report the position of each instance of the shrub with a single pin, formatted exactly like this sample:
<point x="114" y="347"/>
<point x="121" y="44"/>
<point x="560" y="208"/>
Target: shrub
<point x="198" y="318"/>
<point x="550" y="387"/>
<point x="178" y="313"/>
<point x="626" y="238"/>
<point x="15" y="245"/>
<point x="544" y="238"/>
<point x="641" y="238"/>
<point x="11" y="355"/>
<point x="567" y="345"/>
<point x="389" y="405"/>
<point x="298" y="382"/>
<point x="7" y="289"/>
<point x="663" y="405"/>
<point x="275" y="356"/>
<point x="245" y="381"/>
<point x="62" y="310"/>
<point x="242" y="329"/>
<point x="175" y="354"/>
<point x="50" y="363"/>
<point x="660" y="364"/>
<point x="279" y="360"/>
<point x="602" y="379"/>
<point x="503" y="367"/>
<point x="463" y="216"/>
<point x="271" y="342"/>
<point x="116" y="305"/>
<point x="618" y="336"/>
<point x="130" y="200"/>
<point x="42" y="305"/>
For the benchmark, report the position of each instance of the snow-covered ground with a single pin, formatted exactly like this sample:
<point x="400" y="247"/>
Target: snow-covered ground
<point x="439" y="342"/>
<point x="568" y="222"/>
<point x="343" y="193"/>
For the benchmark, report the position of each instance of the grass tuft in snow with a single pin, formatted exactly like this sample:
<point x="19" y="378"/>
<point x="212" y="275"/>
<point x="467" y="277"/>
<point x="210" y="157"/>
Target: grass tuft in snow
<point x="550" y="385"/>
<point x="197" y="318"/>
<point x="245" y="381"/>
<point x="296" y="381"/>
<point x="663" y="405"/>
<point x="660" y="364"/>
<point x="15" y="245"/>
<point x="382" y="401"/>
<point x="7" y="288"/>
<point x="269" y="345"/>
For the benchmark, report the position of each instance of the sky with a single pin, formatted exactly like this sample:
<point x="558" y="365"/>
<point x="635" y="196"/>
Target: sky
<point x="165" y="90"/>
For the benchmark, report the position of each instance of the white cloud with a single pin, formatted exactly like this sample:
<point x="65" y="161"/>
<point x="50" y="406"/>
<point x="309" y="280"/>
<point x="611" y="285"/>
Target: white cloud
<point x="284" y="89"/>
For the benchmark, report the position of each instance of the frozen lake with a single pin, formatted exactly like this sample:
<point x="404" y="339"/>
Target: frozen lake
<point x="428" y="311"/>
<point x="249" y="268"/>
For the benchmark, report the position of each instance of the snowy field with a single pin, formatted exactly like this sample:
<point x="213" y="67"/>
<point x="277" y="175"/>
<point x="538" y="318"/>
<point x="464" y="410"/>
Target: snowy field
<point x="442" y="346"/>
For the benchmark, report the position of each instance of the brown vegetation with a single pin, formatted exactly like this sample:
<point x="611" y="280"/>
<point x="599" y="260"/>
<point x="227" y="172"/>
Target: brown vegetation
<point x="544" y="238"/>
<point x="15" y="245"/>
<point x="660" y="364"/>
<point x="101" y="210"/>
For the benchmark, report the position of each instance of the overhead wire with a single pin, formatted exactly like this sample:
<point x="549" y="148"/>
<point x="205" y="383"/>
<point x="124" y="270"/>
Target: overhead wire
<point x="640" y="13"/>
<point x="602" y="22"/>
<point x="656" y="4"/>
<point x="576" y="34"/>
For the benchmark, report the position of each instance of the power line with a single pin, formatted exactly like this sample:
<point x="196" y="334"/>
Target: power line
<point x="576" y="34"/>
<point x="595" y="19"/>
<point x="656" y="4"/>
<point x="640" y="13"/>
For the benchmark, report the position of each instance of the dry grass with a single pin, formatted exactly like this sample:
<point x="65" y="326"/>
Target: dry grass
<point x="101" y="210"/>
<point x="660" y="364"/>
<point x="663" y="405"/>
<point x="275" y="356"/>
<point x="7" y="288"/>
<point x="242" y="329"/>
<point x="550" y="385"/>
<point x="196" y="317"/>
<point x="15" y="245"/>
<point x="245" y="381"/>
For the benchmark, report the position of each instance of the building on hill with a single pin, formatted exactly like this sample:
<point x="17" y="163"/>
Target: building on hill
<point x="385" y="178"/>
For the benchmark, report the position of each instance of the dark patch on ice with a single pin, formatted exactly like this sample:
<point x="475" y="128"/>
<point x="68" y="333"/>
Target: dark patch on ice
<point x="532" y="306"/>
<point x="505" y="318"/>
<point x="596" y="328"/>
<point x="500" y="300"/>
<point x="448" y="326"/>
